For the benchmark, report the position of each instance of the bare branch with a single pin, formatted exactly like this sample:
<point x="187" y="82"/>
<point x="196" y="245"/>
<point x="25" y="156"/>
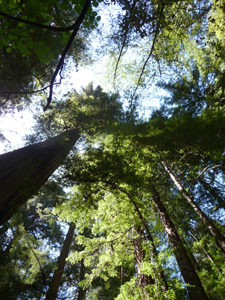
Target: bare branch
<point x="118" y="60"/>
<point x="149" y="56"/>
<point x="7" y="98"/>
<point x="65" y="51"/>
<point x="31" y="92"/>
<point x="146" y="61"/>
<point x="206" y="169"/>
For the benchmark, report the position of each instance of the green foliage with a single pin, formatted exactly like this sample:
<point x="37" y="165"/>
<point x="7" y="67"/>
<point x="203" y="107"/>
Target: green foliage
<point x="120" y="239"/>
<point x="30" y="53"/>
<point x="61" y="14"/>
<point x="29" y="247"/>
<point x="92" y="111"/>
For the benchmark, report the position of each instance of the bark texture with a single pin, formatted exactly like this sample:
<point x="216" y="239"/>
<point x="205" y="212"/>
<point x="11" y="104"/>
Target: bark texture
<point x="194" y="286"/>
<point x="54" y="286"/>
<point x="24" y="171"/>
<point x="208" y="223"/>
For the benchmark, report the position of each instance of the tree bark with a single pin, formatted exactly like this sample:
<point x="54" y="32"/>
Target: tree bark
<point x="208" y="223"/>
<point x="139" y="255"/>
<point x="164" y="285"/>
<point x="194" y="286"/>
<point x="54" y="285"/>
<point x="24" y="171"/>
<point x="81" y="290"/>
<point x="212" y="191"/>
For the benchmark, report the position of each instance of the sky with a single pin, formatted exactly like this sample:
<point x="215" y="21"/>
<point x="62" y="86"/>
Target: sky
<point x="17" y="126"/>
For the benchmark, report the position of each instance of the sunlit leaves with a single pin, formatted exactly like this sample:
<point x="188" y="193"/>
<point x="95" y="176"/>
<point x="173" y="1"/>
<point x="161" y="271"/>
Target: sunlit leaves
<point x="40" y="13"/>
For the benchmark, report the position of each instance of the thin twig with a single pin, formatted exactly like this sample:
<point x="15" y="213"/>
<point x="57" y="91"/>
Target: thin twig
<point x="42" y="271"/>
<point x="159" y="66"/>
<point x="8" y="97"/>
<point x="32" y="92"/>
<point x="121" y="50"/>
<point x="118" y="60"/>
<point x="203" y="171"/>
<point x="146" y="61"/>
<point x="149" y="56"/>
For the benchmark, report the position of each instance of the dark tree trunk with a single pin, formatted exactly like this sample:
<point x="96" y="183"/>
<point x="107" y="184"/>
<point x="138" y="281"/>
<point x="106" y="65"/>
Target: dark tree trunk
<point x="24" y="171"/>
<point x="194" y="286"/>
<point x="81" y="290"/>
<point x="54" y="285"/>
<point x="220" y="239"/>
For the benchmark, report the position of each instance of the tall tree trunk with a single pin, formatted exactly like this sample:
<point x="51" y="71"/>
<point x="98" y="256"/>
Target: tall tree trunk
<point x="194" y="286"/>
<point x="24" y="171"/>
<point x="139" y="255"/>
<point x="161" y="275"/>
<point x="208" y="223"/>
<point x="54" y="285"/>
<point x="81" y="290"/>
<point x="212" y="191"/>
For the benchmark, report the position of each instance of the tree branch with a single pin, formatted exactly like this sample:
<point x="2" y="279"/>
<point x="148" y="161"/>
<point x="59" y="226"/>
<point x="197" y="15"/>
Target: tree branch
<point x="61" y="62"/>
<point x="150" y="54"/>
<point x="32" y="92"/>
<point x="47" y="27"/>
<point x="120" y="54"/>
<point x="41" y="269"/>
<point x="7" y="98"/>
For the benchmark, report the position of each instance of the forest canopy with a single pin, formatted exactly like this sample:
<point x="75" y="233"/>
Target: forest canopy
<point x="112" y="196"/>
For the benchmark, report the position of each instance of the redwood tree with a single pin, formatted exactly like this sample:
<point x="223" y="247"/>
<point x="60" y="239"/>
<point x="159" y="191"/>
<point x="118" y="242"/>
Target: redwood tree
<point x="194" y="285"/>
<point x="24" y="171"/>
<point x="54" y="285"/>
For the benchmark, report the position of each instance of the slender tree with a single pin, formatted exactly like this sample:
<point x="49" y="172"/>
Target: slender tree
<point x="81" y="290"/>
<point x="194" y="285"/>
<point x="208" y="223"/>
<point x="58" y="273"/>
